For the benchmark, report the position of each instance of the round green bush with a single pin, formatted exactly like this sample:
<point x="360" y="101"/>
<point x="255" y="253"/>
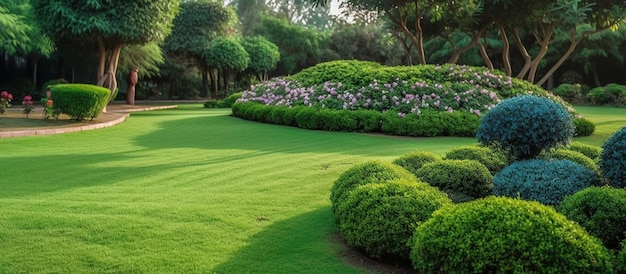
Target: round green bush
<point x="492" y="159"/>
<point x="601" y="211"/>
<point x="545" y="181"/>
<point x="47" y="85"/>
<point x="593" y="152"/>
<point x="362" y="174"/>
<point x="583" y="127"/>
<point x="526" y="125"/>
<point x="574" y="156"/>
<point x="505" y="235"/>
<point x="380" y="219"/>
<point x="466" y="177"/>
<point x="414" y="160"/>
<point x="613" y="159"/>
<point x="80" y="100"/>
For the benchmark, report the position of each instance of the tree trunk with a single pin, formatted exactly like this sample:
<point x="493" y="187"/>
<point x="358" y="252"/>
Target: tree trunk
<point x="107" y="79"/>
<point x="214" y="84"/>
<point x="596" y="77"/>
<point x="416" y="41"/>
<point x="506" y="48"/>
<point x="570" y="50"/>
<point x="542" y="52"/>
<point x="205" y="81"/>
<point x="524" y="53"/>
<point x="483" y="53"/>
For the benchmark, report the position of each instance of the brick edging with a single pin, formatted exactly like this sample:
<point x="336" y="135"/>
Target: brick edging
<point x="49" y="131"/>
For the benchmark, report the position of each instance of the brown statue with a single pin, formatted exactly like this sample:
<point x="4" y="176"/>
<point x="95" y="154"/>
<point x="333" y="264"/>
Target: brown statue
<point x="133" y="78"/>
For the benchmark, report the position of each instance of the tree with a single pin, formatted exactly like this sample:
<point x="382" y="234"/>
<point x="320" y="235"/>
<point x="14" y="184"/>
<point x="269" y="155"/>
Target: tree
<point x="227" y="55"/>
<point x="197" y="26"/>
<point x="110" y="25"/>
<point x="264" y="55"/>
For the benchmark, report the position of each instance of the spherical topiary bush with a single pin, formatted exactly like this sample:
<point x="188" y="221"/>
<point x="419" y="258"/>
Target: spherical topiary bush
<point x="593" y="152"/>
<point x="493" y="160"/>
<point x="545" y="181"/>
<point x="456" y="177"/>
<point x="526" y="125"/>
<point x="505" y="235"/>
<point x="613" y="159"/>
<point x="414" y="160"/>
<point x="601" y="211"/>
<point x="574" y="156"/>
<point x="380" y="218"/>
<point x="365" y="173"/>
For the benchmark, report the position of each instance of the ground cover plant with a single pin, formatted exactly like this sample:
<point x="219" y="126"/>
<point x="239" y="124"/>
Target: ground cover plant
<point x="192" y="190"/>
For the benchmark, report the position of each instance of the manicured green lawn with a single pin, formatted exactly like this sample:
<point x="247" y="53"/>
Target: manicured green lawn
<point x="189" y="190"/>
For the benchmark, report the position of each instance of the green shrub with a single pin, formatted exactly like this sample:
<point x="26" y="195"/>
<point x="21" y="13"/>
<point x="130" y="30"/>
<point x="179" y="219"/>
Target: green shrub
<point x="348" y="72"/>
<point x="80" y="100"/>
<point x="381" y="218"/>
<point x="504" y="235"/>
<point x="601" y="211"/>
<point x="212" y="104"/>
<point x="613" y="159"/>
<point x="545" y="181"/>
<point x="526" y="125"/>
<point x="593" y="152"/>
<point x="465" y="177"/>
<point x="414" y="160"/>
<point x="362" y="174"/>
<point x="368" y="120"/>
<point x="583" y="127"/>
<point x="570" y="92"/>
<point x="47" y="85"/>
<point x="492" y="159"/>
<point x="613" y="94"/>
<point x="574" y="156"/>
<point x="230" y="100"/>
<point x="620" y="261"/>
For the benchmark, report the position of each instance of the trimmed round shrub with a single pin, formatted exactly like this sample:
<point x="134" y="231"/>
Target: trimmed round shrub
<point x="47" y="85"/>
<point x="465" y="177"/>
<point x="593" y="152"/>
<point x="613" y="159"/>
<point x="493" y="160"/>
<point x="380" y="219"/>
<point x="574" y="156"/>
<point x="80" y="100"/>
<point x="526" y="125"/>
<point x="583" y="127"/>
<point x="545" y="181"/>
<point x="414" y="160"/>
<point x="601" y="211"/>
<point x="504" y="235"/>
<point x="362" y="174"/>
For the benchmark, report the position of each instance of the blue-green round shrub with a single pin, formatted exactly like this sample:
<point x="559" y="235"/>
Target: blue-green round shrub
<point x="545" y="181"/>
<point x="601" y="211"/>
<point x="613" y="159"/>
<point x="526" y="125"/>
<point x="465" y="177"/>
<point x="574" y="156"/>
<point x="492" y="159"/>
<point x="80" y="100"/>
<point x="380" y="219"/>
<point x="362" y="174"/>
<point x="505" y="235"/>
<point x="593" y="152"/>
<point x="414" y="160"/>
<point x="583" y="127"/>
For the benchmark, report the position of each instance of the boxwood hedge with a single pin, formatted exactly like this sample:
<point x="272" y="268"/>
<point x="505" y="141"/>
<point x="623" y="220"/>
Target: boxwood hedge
<point x="79" y="100"/>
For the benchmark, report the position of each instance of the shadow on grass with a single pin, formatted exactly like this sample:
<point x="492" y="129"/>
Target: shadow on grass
<point x="301" y="244"/>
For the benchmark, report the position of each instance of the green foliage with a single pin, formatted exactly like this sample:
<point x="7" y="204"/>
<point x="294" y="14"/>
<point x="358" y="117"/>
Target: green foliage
<point x="349" y="72"/>
<point x="593" y="152"/>
<point x="226" y="103"/>
<point x="380" y="218"/>
<point x="80" y="100"/>
<point x="228" y="53"/>
<point x="146" y="58"/>
<point x="583" y="127"/>
<point x="414" y="160"/>
<point x="613" y="159"/>
<point x="264" y="55"/>
<point x="570" y="92"/>
<point x="545" y="181"/>
<point x="620" y="261"/>
<point x="613" y="94"/>
<point x="504" y="235"/>
<point x="457" y="177"/>
<point x="601" y="211"/>
<point x="430" y="123"/>
<point x="494" y="160"/>
<point x="574" y="156"/>
<point x="47" y="85"/>
<point x="537" y="124"/>
<point x="362" y="174"/>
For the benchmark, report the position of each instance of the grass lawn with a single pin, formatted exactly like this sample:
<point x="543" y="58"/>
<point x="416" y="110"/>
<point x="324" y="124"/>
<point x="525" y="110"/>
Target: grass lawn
<point x="189" y="190"/>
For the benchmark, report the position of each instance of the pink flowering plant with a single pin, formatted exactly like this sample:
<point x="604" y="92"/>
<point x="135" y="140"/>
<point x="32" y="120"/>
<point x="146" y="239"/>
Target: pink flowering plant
<point x="27" y="104"/>
<point x="5" y="101"/>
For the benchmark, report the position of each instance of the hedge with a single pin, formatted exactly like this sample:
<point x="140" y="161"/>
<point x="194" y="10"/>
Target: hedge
<point x="80" y="100"/>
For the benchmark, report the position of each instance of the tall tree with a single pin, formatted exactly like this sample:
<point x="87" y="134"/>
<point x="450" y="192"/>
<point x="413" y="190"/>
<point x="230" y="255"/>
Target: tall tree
<point x="227" y="55"/>
<point x="109" y="25"/>
<point x="264" y="55"/>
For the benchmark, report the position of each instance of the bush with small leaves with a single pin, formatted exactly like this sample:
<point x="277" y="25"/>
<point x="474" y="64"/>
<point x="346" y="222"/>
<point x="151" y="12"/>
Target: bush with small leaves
<point x="414" y="160"/>
<point x="455" y="177"/>
<point x="526" y="125"/>
<point x="583" y="127"/>
<point x="601" y="211"/>
<point x="380" y="219"/>
<point x="593" y="152"/>
<point x="620" y="260"/>
<point x="574" y="156"/>
<point x="545" y="181"/>
<point x="362" y="174"/>
<point x="492" y="159"/>
<point x="505" y="235"/>
<point x="80" y="101"/>
<point x="613" y="159"/>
